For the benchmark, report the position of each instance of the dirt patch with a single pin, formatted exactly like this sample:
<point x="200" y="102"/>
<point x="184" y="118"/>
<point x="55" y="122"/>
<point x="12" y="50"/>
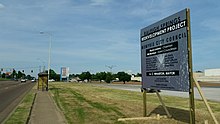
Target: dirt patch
<point x="134" y="83"/>
<point x="209" y="84"/>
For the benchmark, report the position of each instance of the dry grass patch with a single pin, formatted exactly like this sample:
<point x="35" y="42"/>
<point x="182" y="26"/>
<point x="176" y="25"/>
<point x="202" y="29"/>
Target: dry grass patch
<point x="85" y="103"/>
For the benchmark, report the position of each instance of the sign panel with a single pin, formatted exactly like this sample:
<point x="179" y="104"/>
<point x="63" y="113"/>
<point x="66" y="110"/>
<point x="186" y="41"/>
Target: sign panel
<point x="64" y="72"/>
<point x="164" y="54"/>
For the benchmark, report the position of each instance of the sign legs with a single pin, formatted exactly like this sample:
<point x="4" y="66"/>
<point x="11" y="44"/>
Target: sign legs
<point x="192" y="106"/>
<point x="144" y="103"/>
<point x="205" y="101"/>
<point x="161" y="101"/>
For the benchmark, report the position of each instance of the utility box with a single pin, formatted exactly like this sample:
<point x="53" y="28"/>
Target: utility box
<point x="42" y="81"/>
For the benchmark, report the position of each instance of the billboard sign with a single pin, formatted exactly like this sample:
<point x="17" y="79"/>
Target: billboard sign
<point x="64" y="72"/>
<point x="164" y="54"/>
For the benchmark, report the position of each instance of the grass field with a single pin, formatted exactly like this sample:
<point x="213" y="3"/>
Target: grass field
<point x="84" y="103"/>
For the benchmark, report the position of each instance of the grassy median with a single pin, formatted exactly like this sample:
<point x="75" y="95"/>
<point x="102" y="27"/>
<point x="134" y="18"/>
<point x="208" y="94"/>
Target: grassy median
<point x="85" y="103"/>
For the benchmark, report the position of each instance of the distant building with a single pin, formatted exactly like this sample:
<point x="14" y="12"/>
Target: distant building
<point x="133" y="78"/>
<point x="209" y="75"/>
<point x="198" y="74"/>
<point x="212" y="72"/>
<point x="75" y="79"/>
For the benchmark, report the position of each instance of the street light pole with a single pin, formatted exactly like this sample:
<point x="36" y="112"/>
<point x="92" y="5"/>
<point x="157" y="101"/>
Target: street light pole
<point x="49" y="52"/>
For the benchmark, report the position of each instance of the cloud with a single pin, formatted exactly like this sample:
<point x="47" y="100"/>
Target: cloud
<point x="2" y="6"/>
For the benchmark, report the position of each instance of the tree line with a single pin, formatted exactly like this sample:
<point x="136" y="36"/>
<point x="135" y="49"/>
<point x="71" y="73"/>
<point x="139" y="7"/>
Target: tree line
<point x="99" y="76"/>
<point x="16" y="75"/>
<point x="107" y="77"/>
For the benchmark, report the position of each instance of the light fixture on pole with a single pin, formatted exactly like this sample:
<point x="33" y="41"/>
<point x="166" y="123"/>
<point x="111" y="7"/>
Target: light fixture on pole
<point x="49" y="52"/>
<point x="110" y="67"/>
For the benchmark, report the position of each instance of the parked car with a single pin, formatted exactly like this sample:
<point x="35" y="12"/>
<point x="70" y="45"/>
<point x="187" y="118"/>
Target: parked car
<point x="51" y="80"/>
<point x="33" y="80"/>
<point x="23" y="80"/>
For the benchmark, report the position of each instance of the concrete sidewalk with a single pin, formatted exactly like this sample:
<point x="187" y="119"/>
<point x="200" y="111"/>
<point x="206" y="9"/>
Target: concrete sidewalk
<point x="45" y="111"/>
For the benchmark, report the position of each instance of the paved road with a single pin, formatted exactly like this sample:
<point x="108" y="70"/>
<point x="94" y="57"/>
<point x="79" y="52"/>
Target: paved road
<point x="209" y="92"/>
<point x="11" y="93"/>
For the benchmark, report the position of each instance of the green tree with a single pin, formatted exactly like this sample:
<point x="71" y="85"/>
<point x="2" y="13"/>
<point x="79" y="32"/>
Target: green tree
<point x="57" y="77"/>
<point x="3" y="75"/>
<point x="14" y="74"/>
<point x="54" y="75"/>
<point x="85" y="76"/>
<point x="94" y="77"/>
<point x="72" y="75"/>
<point x="77" y="75"/>
<point x="29" y="77"/>
<point x="109" y="77"/>
<point x="101" y="76"/>
<point x="138" y="75"/>
<point x="20" y="75"/>
<point x="123" y="76"/>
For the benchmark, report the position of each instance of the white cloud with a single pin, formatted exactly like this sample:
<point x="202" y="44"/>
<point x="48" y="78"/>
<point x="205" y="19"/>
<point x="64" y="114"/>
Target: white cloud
<point x="2" y="6"/>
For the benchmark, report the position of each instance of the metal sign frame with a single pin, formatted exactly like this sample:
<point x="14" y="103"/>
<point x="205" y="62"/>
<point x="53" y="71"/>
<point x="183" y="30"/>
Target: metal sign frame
<point x="191" y="89"/>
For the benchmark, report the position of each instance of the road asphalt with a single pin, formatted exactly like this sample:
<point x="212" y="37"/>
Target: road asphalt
<point x="11" y="93"/>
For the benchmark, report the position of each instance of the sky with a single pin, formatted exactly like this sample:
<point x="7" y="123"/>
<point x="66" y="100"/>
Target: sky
<point x="91" y="35"/>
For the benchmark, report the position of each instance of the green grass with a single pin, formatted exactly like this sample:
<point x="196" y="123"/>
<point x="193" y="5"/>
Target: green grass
<point x="21" y="113"/>
<point x="85" y="103"/>
<point x="4" y="79"/>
